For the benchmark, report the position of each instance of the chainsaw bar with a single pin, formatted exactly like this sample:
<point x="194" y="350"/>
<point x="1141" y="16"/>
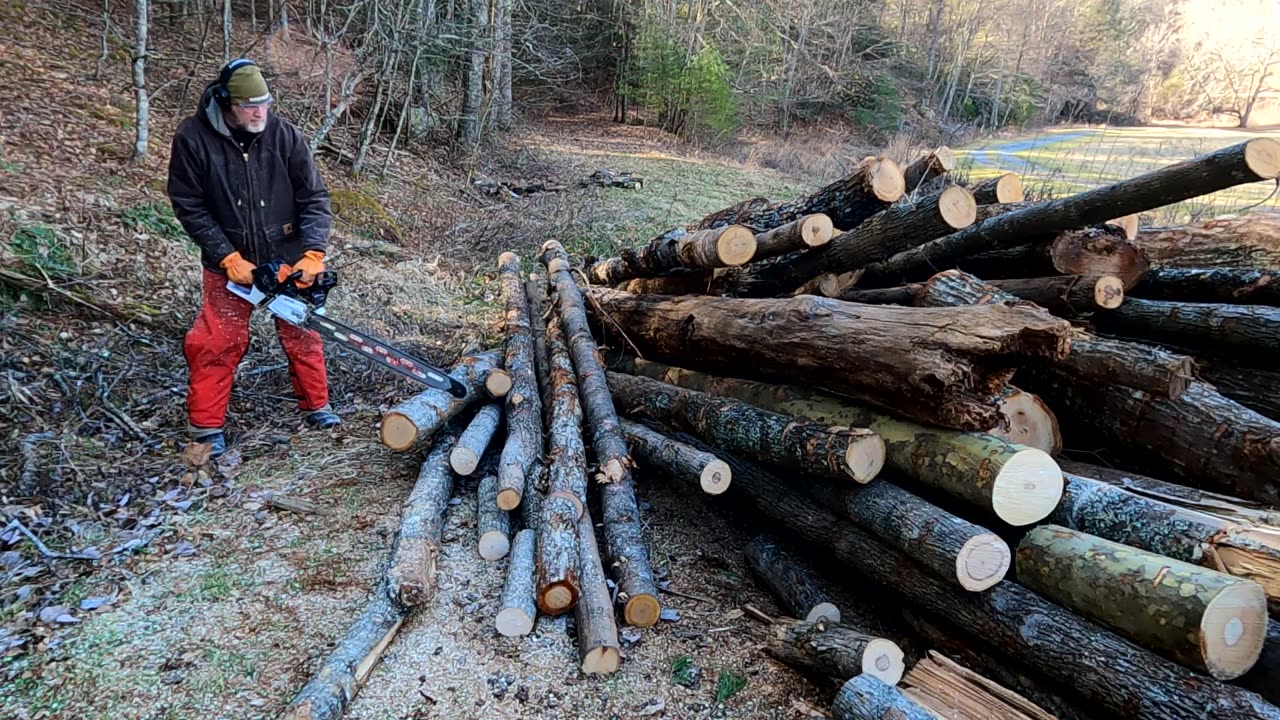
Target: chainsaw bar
<point x="380" y="352"/>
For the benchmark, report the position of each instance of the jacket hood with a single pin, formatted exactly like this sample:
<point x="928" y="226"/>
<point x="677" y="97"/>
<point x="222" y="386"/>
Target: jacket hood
<point x="211" y="113"/>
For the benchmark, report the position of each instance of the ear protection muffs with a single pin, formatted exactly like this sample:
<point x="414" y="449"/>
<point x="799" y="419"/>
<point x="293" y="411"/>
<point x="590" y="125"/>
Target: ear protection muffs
<point x="221" y="94"/>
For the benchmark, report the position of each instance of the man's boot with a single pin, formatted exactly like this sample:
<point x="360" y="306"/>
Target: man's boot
<point x="213" y="437"/>
<point x="322" y="419"/>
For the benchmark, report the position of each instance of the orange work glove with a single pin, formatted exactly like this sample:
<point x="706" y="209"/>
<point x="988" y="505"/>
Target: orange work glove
<point x="239" y="270"/>
<point x="311" y="264"/>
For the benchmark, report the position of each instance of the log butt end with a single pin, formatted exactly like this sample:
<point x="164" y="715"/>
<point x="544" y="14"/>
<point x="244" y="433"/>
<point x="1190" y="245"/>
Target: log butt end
<point x="715" y="477"/>
<point x="982" y="562"/>
<point x="509" y="499"/>
<point x="398" y="432"/>
<point x="641" y="611"/>
<point x="957" y="207"/>
<point x="494" y="545"/>
<point x="558" y="598"/>
<point x="816" y="230"/>
<point x="497" y="383"/>
<point x="1233" y="630"/>
<point x="1108" y="292"/>
<point x="513" y="622"/>
<point x="1128" y="223"/>
<point x="1262" y="155"/>
<point x="507" y="258"/>
<point x="1009" y="189"/>
<point x="864" y="459"/>
<point x="1029" y="421"/>
<point x="735" y="245"/>
<point x="886" y="179"/>
<point x="883" y="659"/>
<point x="601" y="661"/>
<point x="823" y="612"/>
<point x="1027" y="488"/>
<point x="463" y="460"/>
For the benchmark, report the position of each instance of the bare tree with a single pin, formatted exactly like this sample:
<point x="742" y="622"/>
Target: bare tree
<point x="140" y="85"/>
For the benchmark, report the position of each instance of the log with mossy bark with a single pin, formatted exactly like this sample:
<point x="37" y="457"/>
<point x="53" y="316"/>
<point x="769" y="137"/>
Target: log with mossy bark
<point x="598" y="646"/>
<point x="830" y="649"/>
<point x="493" y="525"/>
<point x="1251" y="330"/>
<point x="872" y="186"/>
<point x="559" y="562"/>
<point x="1015" y="621"/>
<point x="1068" y="295"/>
<point x="943" y="687"/>
<point x="1099" y="250"/>
<point x="810" y="231"/>
<point x="790" y="579"/>
<point x="930" y="165"/>
<point x="523" y="402"/>
<point x="417" y="418"/>
<point x="465" y="456"/>
<point x="678" y="459"/>
<point x="625" y="545"/>
<point x="1018" y="485"/>
<point x="1201" y="618"/>
<point x="411" y="575"/>
<point x="866" y="697"/>
<point x="517" y="608"/>
<point x="1250" y="240"/>
<point x="1254" y="388"/>
<point x="567" y="451"/>
<point x="678" y="250"/>
<point x="943" y="366"/>
<point x="1003" y="188"/>
<point x="1242" y="286"/>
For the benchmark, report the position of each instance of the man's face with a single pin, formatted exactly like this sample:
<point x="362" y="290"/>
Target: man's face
<point x="253" y="119"/>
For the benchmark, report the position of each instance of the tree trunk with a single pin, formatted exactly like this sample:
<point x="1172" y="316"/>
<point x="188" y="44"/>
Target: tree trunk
<point x="1256" y="389"/>
<point x="866" y="697"/>
<point x="1027" y="628"/>
<point x="465" y="456"/>
<point x="826" y="648"/>
<point x="502" y="64"/>
<point x="1252" y="330"/>
<point x="493" y="525"/>
<point x="142" y="109"/>
<point x="933" y="164"/>
<point x="517" y="610"/>
<point x="1004" y="188"/>
<point x="1027" y="420"/>
<point x="807" y="232"/>
<point x="226" y="31"/>
<point x="721" y="247"/>
<point x="598" y="645"/>
<point x="1247" y="241"/>
<point x="1016" y="484"/>
<point x="677" y="459"/>
<point x="558" y="555"/>
<point x="625" y="544"/>
<point x="411" y="575"/>
<point x="1068" y="295"/>
<point x="415" y="419"/>
<point x="943" y="686"/>
<point x="791" y="580"/>
<point x="942" y="366"/>
<point x="871" y="187"/>
<point x="1091" y="251"/>
<point x="568" y="453"/>
<point x="470" y="124"/>
<point x="1246" y="162"/>
<point x="1203" y="619"/>
<point x="524" y="405"/>
<point x="1211" y="285"/>
<point x="535" y="292"/>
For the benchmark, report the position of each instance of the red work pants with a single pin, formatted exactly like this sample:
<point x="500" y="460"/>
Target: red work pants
<point x="217" y="342"/>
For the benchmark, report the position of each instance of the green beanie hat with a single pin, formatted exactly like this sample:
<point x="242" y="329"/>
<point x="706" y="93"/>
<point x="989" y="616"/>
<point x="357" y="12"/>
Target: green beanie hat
<point x="247" y="86"/>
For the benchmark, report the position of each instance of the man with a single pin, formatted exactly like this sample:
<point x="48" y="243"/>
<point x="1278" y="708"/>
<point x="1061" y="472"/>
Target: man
<point x="245" y="188"/>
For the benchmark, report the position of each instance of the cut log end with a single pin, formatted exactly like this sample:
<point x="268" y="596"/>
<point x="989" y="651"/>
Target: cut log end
<point x="513" y="622"/>
<point x="864" y="459"/>
<point x="1108" y="292"/>
<point x="558" y="598"/>
<point x="1262" y="155"/>
<point x="509" y="499"/>
<point x="1233" y="629"/>
<point x="494" y="545"/>
<point x="613" y="471"/>
<point x="1028" y="487"/>
<point x="816" y="230"/>
<point x="508" y="257"/>
<point x="641" y="611"/>
<point x="1029" y="421"/>
<point x="886" y="180"/>
<point x="883" y="659"/>
<point x="600" y="661"/>
<point x="736" y="245"/>
<point x="716" y="477"/>
<point x="1128" y="223"/>
<point x="398" y="432"/>
<point x="823" y="612"/>
<point x="1009" y="189"/>
<point x="498" y="383"/>
<point x="957" y="207"/>
<point x="463" y="460"/>
<point x="982" y="562"/>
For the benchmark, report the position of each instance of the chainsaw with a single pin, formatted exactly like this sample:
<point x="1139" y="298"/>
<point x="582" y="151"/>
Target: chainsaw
<point x="275" y="287"/>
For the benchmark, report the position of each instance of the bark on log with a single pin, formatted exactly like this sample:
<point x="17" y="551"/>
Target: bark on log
<point x="1100" y="250"/>
<point x="465" y="456"/>
<point x="901" y="295"/>
<point x="677" y="250"/>
<point x="1204" y="619"/>
<point x="625" y="544"/>
<point x="696" y="282"/>
<point x="866" y="697"/>
<point x="678" y="459"/>
<point x="535" y="291"/>
<point x="1016" y="484"/>
<point x="810" y="231"/>
<point x="1249" y="161"/>
<point x="598" y="645"/>
<point x="944" y="366"/>
<point x="411" y="576"/>
<point x="559" y="562"/>
<point x="517" y="610"/>
<point x="1254" y="388"/>
<point x="933" y="164"/>
<point x="826" y="648"/>
<point x="1251" y="329"/>
<point x="1024" y="626"/>
<point x="493" y="525"/>
<point x="344" y="671"/>
<point x="417" y="418"/>
<point x="1068" y="295"/>
<point x="1244" y="241"/>
<point x="1252" y="286"/>
<point x="1025" y="419"/>
<point x="1004" y="188"/>
<point x="943" y="687"/>
<point x="871" y="187"/>
<point x="524" y="404"/>
<point x="568" y="453"/>
<point x="790" y="580"/>
<point x="1264" y="678"/>
<point x="838" y="453"/>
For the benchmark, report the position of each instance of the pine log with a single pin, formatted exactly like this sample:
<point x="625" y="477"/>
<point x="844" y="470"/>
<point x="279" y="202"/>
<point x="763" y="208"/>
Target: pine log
<point x="873" y="185"/>
<point x="1264" y="677"/>
<point x="866" y="697"/>
<point x="1250" y="329"/>
<point x="559" y="562"/>
<point x="678" y="459"/>
<point x="839" y="453"/>
<point x="1254" y="388"/>
<point x="417" y="418"/>
<point x="1018" y="485"/>
<point x="675" y="250"/>
<point x="1016" y="621"/>
<point x="625" y="544"/>
<point x="535" y="291"/>
<point x="1244" y="241"/>
<point x="810" y="231"/>
<point x="1252" y="286"/>
<point x="1098" y="250"/>
<point x="465" y="456"/>
<point x="1025" y="419"/>
<point x="568" y="453"/>
<point x="493" y="526"/>
<point x="345" y="670"/>
<point x="947" y="689"/>
<point x="524" y="404"/>
<point x="827" y="648"/>
<point x="517" y="608"/>
<point x="790" y="580"/>
<point x="1246" y="162"/>
<point x="1068" y="295"/>
<point x="598" y="645"/>
<point x="1003" y="188"/>
<point x="411" y="576"/>
<point x="942" y="366"/>
<point x="1204" y="619"/>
